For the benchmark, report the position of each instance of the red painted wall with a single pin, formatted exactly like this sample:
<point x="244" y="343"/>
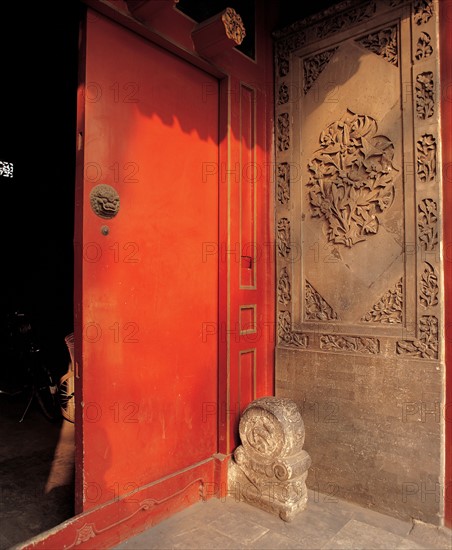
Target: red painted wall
<point x="445" y="21"/>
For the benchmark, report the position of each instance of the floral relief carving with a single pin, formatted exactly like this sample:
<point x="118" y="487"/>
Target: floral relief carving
<point x="389" y="308"/>
<point x="426" y="346"/>
<point x="357" y="344"/>
<point x="283" y="94"/>
<point x="383" y="43"/>
<point x="424" y="48"/>
<point x="426" y="158"/>
<point x="352" y="178"/>
<point x="283" y="183"/>
<point x="429" y="288"/>
<point x="427" y="224"/>
<point x="314" y="65"/>
<point x="317" y="308"/>
<point x="284" y="291"/>
<point x="423" y="11"/>
<point x="283" y="132"/>
<point x="425" y="105"/>
<point x="285" y="333"/>
<point x="284" y="237"/>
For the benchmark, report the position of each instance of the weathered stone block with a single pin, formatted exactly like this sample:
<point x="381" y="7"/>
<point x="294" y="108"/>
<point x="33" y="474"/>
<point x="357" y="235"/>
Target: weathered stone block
<point x="270" y="467"/>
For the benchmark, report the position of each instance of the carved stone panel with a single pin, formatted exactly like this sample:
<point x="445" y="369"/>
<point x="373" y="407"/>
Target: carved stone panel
<point x="358" y="231"/>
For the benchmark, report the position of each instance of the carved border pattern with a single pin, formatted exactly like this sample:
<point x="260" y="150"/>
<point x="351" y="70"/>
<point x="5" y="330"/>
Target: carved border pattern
<point x="314" y="65"/>
<point x="285" y="333"/>
<point x="425" y="104"/>
<point x="424" y="48"/>
<point x="426" y="346"/>
<point x="357" y="344"/>
<point x="285" y="47"/>
<point x="317" y="308"/>
<point x="283" y="94"/>
<point x="345" y="20"/>
<point x="284" y="290"/>
<point x="423" y="11"/>
<point x="283" y="128"/>
<point x="389" y="308"/>
<point x="284" y="237"/>
<point x="427" y="223"/>
<point x="426" y="158"/>
<point x="429" y="288"/>
<point x="384" y="43"/>
<point x="283" y="183"/>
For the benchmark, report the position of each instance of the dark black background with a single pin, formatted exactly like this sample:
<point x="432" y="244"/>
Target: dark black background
<point x="39" y="57"/>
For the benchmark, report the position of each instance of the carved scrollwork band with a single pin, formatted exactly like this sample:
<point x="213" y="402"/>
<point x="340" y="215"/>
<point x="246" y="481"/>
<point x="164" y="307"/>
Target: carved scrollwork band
<point x="355" y="344"/>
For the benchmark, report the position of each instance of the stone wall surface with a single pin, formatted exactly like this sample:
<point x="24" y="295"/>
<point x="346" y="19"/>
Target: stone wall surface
<point x="359" y="320"/>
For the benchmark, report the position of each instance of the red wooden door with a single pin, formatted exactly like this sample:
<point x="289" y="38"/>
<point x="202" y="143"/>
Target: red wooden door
<point x="145" y="292"/>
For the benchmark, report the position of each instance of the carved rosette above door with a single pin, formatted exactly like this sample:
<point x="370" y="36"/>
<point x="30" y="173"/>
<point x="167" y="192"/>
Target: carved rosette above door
<point x="356" y="202"/>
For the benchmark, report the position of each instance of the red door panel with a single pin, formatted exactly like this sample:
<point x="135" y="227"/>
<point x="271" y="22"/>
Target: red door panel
<point x="147" y="370"/>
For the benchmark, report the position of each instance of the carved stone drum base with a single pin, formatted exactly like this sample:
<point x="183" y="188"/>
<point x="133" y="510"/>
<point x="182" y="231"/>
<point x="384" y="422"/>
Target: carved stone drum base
<point x="270" y="467"/>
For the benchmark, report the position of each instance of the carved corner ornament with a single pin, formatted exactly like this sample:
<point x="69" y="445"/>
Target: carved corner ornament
<point x="218" y="34"/>
<point x="426" y="346"/>
<point x="270" y="467"/>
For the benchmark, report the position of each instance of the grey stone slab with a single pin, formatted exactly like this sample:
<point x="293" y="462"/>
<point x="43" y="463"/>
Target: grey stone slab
<point x="391" y="524"/>
<point x="240" y="529"/>
<point x="431" y="536"/>
<point x="275" y="541"/>
<point x="206" y="538"/>
<point x="357" y="535"/>
<point x="149" y="540"/>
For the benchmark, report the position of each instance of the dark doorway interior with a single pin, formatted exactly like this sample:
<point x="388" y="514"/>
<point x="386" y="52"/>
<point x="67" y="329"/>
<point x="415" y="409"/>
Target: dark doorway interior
<point x="39" y="57"/>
